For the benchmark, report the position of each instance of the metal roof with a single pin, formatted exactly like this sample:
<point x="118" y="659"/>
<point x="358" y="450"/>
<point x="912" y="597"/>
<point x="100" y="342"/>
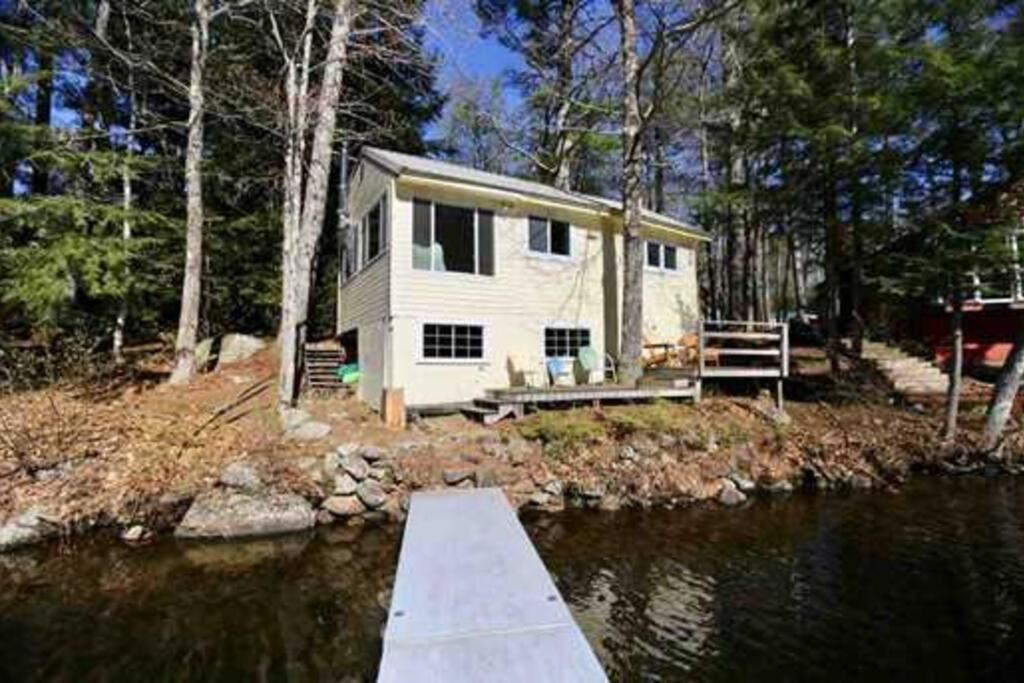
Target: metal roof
<point x="400" y="164"/>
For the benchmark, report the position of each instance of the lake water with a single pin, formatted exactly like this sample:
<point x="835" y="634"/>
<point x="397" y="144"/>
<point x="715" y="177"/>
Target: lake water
<point x="926" y="584"/>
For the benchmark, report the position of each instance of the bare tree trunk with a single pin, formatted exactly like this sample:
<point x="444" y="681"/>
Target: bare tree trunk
<point x="633" y="265"/>
<point x="798" y="275"/>
<point x="956" y="366"/>
<point x="1005" y="394"/>
<point x="564" y="146"/>
<point x="295" y="307"/>
<point x="831" y="211"/>
<point x="188" y="322"/>
<point x="103" y="16"/>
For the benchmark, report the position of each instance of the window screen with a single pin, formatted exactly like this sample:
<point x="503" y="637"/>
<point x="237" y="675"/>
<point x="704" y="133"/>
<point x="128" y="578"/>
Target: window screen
<point x="559" y="238"/>
<point x="671" y="262"/>
<point x="565" y="342"/>
<point x="538" y="234"/>
<point x="453" y="341"/>
<point x="654" y="254"/>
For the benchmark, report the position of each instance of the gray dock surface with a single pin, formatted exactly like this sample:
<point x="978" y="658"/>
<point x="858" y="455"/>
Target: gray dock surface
<point x="473" y="601"/>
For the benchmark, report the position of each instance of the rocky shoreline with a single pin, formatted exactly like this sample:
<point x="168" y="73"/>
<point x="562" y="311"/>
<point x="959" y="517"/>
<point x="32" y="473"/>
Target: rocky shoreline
<point x="639" y="457"/>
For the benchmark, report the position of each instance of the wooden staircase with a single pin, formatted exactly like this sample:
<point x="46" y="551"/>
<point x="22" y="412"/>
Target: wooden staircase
<point x="911" y="377"/>
<point x="321" y="363"/>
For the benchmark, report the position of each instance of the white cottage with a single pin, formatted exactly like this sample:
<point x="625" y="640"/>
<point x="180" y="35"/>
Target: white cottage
<point x="457" y="281"/>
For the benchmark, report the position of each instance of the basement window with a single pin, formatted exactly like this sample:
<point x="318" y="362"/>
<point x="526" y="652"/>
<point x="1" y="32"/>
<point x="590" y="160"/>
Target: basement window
<point x="550" y="237"/>
<point x="452" y="239"/>
<point x="565" y="342"/>
<point x="453" y="342"/>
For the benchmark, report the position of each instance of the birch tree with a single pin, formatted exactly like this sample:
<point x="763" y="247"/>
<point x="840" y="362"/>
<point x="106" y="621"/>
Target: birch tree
<point x="306" y="177"/>
<point x="633" y="265"/>
<point x="188" y="321"/>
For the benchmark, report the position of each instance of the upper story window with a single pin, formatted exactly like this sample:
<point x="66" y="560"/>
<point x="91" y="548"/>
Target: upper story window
<point x="373" y="230"/>
<point x="550" y="236"/>
<point x="662" y="256"/>
<point x="366" y="239"/>
<point x="452" y="239"/>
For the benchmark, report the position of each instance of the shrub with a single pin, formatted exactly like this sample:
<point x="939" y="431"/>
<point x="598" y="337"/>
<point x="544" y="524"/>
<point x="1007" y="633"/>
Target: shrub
<point x="562" y="431"/>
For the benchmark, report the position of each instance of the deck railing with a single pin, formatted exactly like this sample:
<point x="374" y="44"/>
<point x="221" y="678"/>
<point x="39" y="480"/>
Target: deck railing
<point x="743" y="349"/>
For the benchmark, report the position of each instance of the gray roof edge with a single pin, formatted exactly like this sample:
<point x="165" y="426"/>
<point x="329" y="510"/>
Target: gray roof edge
<point x="380" y="157"/>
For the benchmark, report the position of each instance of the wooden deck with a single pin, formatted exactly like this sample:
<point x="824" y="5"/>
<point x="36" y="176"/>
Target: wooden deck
<point x="473" y="601"/>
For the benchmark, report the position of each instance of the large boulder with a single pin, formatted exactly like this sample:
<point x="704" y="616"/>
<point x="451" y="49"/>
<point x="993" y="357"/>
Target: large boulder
<point x="238" y="347"/>
<point x="31" y="526"/>
<point x="225" y="513"/>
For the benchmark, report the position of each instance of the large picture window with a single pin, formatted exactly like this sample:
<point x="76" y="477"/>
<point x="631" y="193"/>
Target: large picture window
<point x="452" y="239"/>
<point x="565" y="342"/>
<point x="455" y="342"/>
<point x="550" y="237"/>
<point x="662" y="256"/>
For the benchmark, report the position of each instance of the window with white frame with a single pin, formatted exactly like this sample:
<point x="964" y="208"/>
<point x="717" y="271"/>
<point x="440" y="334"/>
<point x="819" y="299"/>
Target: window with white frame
<point x="452" y="239"/>
<point x="662" y="256"/>
<point x="565" y="342"/>
<point x="443" y="341"/>
<point x="550" y="237"/>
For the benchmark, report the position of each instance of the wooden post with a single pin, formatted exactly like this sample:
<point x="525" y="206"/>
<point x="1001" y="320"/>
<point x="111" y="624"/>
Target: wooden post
<point x="785" y="349"/>
<point x="392" y="408"/>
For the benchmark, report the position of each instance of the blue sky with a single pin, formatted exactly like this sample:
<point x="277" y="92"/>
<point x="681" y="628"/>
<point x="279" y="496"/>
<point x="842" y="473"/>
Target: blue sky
<point x="453" y="34"/>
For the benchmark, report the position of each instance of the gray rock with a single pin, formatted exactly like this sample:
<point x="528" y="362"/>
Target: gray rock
<point x="371" y="493"/>
<point x="783" y="486"/>
<point x="372" y="453"/>
<point x="742" y="482"/>
<point x="453" y="477"/>
<point x="324" y="518"/>
<point x="355" y="466"/>
<point x="629" y="454"/>
<point x="309" y="431"/>
<point x="540" y="499"/>
<point x="135" y="534"/>
<point x="730" y="495"/>
<point x="238" y="347"/>
<point x="225" y="513"/>
<point x="378" y="473"/>
<point x="344" y="506"/>
<point x="554" y="488"/>
<point x="240" y="475"/>
<point x="51" y="473"/>
<point x="30" y="527"/>
<point x="610" y="502"/>
<point x="346" y="449"/>
<point x="344" y="484"/>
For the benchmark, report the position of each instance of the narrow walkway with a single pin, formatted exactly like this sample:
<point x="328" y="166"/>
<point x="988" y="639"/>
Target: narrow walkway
<point x="473" y="601"/>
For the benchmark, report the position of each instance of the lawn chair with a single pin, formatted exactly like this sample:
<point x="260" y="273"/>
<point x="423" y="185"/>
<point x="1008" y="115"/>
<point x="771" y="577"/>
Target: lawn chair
<point x="590" y="363"/>
<point x="560" y="372"/>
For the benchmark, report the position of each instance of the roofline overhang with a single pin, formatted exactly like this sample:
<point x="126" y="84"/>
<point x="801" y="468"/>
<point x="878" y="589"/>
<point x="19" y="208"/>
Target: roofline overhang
<point x="598" y="208"/>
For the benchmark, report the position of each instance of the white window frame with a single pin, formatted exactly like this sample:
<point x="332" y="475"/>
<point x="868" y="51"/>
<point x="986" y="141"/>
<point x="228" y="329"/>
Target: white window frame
<point x="548" y="254"/>
<point x="660" y="268"/>
<point x="476" y="240"/>
<point x="561" y="326"/>
<point x="422" y="359"/>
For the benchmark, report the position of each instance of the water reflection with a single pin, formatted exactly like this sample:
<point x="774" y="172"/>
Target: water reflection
<point x="924" y="585"/>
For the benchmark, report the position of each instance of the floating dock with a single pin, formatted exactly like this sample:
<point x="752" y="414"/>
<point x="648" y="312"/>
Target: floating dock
<point x="473" y="601"/>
